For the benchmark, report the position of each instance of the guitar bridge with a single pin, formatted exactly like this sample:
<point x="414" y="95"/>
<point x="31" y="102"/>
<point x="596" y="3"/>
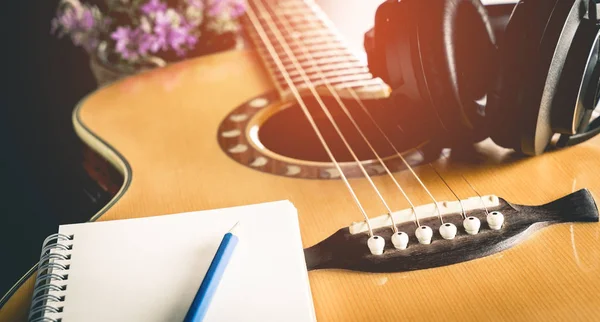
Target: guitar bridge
<point x="347" y="248"/>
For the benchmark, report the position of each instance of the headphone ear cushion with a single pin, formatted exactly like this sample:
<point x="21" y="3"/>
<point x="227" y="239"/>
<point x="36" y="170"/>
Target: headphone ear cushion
<point x="458" y="50"/>
<point x="529" y="56"/>
<point x="502" y="109"/>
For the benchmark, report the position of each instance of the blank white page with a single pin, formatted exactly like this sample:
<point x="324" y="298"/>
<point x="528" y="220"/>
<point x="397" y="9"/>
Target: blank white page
<point x="149" y="269"/>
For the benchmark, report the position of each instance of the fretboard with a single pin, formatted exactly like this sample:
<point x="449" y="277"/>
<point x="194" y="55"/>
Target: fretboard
<point x="295" y="38"/>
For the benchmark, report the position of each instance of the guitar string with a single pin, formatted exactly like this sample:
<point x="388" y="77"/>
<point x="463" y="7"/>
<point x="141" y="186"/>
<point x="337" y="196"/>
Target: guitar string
<point x="365" y="110"/>
<point x="462" y="207"/>
<point x="460" y="202"/>
<point x="372" y="119"/>
<point x="268" y="45"/>
<point x="359" y="101"/>
<point x="389" y="141"/>
<point x="308" y="56"/>
<point x="470" y="186"/>
<point x="373" y="150"/>
<point x="355" y="96"/>
<point x="478" y="194"/>
<point x="311" y="87"/>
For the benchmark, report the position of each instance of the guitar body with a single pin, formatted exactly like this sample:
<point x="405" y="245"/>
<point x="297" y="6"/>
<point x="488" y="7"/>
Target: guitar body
<point x="160" y="129"/>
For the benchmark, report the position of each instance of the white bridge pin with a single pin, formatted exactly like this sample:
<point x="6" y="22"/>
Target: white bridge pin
<point x="495" y="220"/>
<point x="376" y="245"/>
<point x="448" y="231"/>
<point x="472" y="225"/>
<point x="424" y="234"/>
<point x="400" y="240"/>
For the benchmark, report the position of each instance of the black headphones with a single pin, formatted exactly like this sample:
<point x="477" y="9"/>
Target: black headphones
<point x="520" y="83"/>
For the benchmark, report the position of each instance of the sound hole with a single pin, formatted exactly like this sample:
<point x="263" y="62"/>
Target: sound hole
<point x="289" y="133"/>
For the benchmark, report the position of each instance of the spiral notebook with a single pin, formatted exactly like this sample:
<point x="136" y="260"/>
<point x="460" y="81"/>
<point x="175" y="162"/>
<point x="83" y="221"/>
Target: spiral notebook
<point x="149" y="269"/>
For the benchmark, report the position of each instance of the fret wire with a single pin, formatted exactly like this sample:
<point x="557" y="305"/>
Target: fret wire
<point x="332" y="69"/>
<point x="333" y="79"/>
<point x="344" y="86"/>
<point x="323" y="47"/>
<point x="342" y="79"/>
<point x="308" y="27"/>
<point x="362" y="83"/>
<point x="316" y="32"/>
<point x="334" y="65"/>
<point x="334" y="72"/>
<point x="373" y="82"/>
<point x="328" y="58"/>
<point x="317" y="40"/>
<point x="317" y="81"/>
<point x="359" y="69"/>
<point x="339" y="59"/>
<point x="328" y="54"/>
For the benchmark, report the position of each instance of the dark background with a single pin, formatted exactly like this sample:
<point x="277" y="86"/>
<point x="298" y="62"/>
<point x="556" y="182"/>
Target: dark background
<point x="43" y="183"/>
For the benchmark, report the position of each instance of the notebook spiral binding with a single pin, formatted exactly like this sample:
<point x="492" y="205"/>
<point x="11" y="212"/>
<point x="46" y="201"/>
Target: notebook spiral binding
<point x="50" y="287"/>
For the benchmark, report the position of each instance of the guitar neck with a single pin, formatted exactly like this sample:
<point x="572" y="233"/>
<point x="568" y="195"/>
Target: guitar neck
<point x="295" y="38"/>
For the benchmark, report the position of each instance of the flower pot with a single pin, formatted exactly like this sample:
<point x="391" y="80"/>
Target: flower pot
<point x="105" y="74"/>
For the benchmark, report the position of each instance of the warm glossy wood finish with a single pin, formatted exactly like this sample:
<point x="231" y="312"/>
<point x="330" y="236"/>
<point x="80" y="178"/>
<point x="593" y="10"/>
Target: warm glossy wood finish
<point x="164" y="124"/>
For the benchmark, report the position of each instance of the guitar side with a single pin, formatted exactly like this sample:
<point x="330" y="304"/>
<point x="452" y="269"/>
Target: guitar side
<point x="159" y="128"/>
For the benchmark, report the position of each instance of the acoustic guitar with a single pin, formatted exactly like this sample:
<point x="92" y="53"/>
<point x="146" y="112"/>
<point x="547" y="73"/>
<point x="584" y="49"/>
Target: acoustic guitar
<point x="410" y="231"/>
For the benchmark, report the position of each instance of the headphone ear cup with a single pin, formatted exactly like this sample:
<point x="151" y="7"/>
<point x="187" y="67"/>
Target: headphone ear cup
<point x="503" y="111"/>
<point x="532" y="55"/>
<point x="458" y="49"/>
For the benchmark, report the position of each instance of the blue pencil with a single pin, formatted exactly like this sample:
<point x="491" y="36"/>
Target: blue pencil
<point x="212" y="278"/>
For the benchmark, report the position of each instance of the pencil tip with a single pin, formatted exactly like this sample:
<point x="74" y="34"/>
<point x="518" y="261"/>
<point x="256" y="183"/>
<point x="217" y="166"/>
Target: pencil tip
<point x="235" y="227"/>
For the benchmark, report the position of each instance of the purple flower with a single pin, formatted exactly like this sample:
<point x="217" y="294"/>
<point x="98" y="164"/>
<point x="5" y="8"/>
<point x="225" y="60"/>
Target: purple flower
<point x="87" y="19"/>
<point x="153" y="7"/>
<point x="132" y="44"/>
<point x="155" y="27"/>
<point x="123" y="37"/>
<point x="83" y="23"/>
<point x="163" y="31"/>
<point x="216" y="7"/>
<point x="172" y="32"/>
